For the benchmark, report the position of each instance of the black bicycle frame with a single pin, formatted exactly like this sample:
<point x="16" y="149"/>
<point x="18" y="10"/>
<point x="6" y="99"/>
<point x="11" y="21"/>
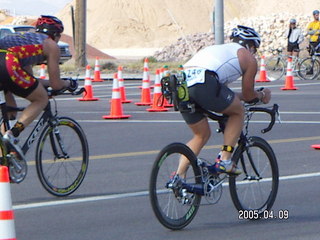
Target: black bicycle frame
<point x="47" y="114"/>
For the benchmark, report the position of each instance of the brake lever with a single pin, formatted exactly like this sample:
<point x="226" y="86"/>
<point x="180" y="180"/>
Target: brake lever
<point x="278" y="114"/>
<point x="81" y="90"/>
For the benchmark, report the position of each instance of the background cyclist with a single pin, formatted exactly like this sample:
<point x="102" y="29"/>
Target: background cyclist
<point x="295" y="37"/>
<point x="313" y="30"/>
<point x="208" y="73"/>
<point x="18" y="53"/>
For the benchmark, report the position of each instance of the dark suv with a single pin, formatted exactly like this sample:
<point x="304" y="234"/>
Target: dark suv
<point x="5" y="30"/>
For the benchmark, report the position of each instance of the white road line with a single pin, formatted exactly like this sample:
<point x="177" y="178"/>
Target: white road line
<point x="127" y="195"/>
<point x="182" y="121"/>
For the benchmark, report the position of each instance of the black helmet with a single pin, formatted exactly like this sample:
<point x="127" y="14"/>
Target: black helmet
<point x="49" y="25"/>
<point x="242" y="35"/>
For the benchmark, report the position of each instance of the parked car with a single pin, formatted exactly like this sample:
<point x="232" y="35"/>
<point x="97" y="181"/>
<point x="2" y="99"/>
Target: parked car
<point x="5" y="30"/>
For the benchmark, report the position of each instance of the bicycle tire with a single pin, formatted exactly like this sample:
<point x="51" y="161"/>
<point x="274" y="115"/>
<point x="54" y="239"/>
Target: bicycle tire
<point x="3" y="149"/>
<point x="275" y="68"/>
<point x="258" y="193"/>
<point x="309" y="69"/>
<point x="62" y="176"/>
<point x="170" y="212"/>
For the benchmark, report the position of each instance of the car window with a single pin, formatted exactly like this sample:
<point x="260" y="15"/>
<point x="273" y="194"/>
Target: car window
<point x="24" y="29"/>
<point x="4" y="32"/>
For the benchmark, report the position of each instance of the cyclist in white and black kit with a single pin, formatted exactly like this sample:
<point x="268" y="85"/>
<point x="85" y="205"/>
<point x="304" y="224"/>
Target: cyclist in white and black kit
<point x="295" y="37"/>
<point x="208" y="74"/>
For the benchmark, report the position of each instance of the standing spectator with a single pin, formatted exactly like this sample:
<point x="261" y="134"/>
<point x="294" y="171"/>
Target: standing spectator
<point x="313" y="30"/>
<point x="295" y="37"/>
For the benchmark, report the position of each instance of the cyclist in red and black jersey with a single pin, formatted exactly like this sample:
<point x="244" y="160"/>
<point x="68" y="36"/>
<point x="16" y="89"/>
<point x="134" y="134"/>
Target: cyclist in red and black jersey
<point x="18" y="53"/>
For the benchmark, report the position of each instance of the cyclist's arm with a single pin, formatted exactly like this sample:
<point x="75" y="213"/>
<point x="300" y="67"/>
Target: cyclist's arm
<point x="52" y="52"/>
<point x="301" y="37"/>
<point x="313" y="29"/>
<point x="248" y="65"/>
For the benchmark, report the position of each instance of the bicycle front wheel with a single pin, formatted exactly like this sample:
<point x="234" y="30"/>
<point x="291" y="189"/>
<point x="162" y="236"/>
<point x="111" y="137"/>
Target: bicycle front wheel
<point x="256" y="188"/>
<point x="275" y="68"/>
<point x="309" y="69"/>
<point x="62" y="157"/>
<point x="172" y="204"/>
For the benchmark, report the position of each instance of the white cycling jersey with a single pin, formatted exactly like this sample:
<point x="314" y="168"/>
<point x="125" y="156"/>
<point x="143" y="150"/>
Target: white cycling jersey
<point x="222" y="59"/>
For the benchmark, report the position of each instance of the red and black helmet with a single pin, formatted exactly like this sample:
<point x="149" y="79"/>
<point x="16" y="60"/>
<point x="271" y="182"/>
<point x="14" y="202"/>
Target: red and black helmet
<point x="49" y="25"/>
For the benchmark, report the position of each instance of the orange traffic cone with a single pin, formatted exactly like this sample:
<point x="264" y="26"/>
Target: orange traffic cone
<point x="7" y="227"/>
<point x="316" y="146"/>
<point x="121" y="86"/>
<point x="88" y="94"/>
<point x="145" y="92"/>
<point x="158" y="98"/>
<point x="166" y="70"/>
<point x="145" y="63"/>
<point x="97" y="76"/>
<point x="42" y="71"/>
<point x="289" y="84"/>
<point x="146" y="66"/>
<point x="116" y="105"/>
<point x="263" y="73"/>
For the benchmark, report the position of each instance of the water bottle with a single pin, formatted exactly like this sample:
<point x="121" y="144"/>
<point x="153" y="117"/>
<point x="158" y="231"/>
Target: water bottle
<point x="183" y="93"/>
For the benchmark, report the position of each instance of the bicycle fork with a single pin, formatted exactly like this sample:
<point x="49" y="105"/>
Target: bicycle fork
<point x="57" y="143"/>
<point x="256" y="176"/>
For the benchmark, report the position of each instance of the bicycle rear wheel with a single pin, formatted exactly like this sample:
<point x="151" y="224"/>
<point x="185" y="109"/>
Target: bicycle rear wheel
<point x="275" y="68"/>
<point x="256" y="188"/>
<point x="174" y="207"/>
<point x="309" y="69"/>
<point x="62" y="157"/>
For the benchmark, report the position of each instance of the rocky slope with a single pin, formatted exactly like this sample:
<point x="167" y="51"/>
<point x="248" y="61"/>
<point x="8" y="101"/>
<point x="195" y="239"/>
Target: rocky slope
<point x="271" y="28"/>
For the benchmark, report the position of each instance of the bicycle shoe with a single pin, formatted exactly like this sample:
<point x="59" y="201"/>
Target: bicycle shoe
<point x="12" y="143"/>
<point x="310" y="72"/>
<point x="226" y="167"/>
<point x="175" y="183"/>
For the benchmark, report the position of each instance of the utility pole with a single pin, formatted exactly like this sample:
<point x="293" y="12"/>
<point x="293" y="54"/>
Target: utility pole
<point x="219" y="22"/>
<point x="80" y="33"/>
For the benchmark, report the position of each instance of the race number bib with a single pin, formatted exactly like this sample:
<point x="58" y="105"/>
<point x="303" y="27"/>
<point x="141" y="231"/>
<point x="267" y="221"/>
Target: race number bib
<point x="194" y="75"/>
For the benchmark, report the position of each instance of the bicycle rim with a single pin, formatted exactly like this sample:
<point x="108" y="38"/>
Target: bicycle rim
<point x="170" y="209"/>
<point x="62" y="174"/>
<point x="275" y="68"/>
<point x="256" y="188"/>
<point x="309" y="69"/>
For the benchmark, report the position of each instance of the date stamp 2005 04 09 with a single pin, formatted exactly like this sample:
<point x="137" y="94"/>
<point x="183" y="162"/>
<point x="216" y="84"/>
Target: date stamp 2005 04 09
<point x="255" y="214"/>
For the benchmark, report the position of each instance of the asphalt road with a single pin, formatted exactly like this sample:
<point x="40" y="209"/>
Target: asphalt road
<point x="113" y="201"/>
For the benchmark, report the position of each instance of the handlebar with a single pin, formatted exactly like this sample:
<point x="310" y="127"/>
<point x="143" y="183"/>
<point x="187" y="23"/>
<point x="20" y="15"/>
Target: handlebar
<point x="52" y="92"/>
<point x="272" y="112"/>
<point x="276" y="51"/>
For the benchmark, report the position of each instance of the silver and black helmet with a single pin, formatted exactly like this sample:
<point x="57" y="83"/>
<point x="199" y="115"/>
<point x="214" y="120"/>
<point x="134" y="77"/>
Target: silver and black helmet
<point x="243" y="34"/>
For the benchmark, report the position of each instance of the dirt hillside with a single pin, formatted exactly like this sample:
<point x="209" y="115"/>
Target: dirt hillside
<point x="157" y="23"/>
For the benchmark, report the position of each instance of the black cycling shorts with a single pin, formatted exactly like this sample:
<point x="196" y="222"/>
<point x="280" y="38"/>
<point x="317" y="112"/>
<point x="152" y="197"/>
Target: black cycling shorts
<point x="13" y="77"/>
<point x="210" y="95"/>
<point x="293" y="47"/>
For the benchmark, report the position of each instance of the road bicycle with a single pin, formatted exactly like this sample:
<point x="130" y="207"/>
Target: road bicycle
<point x="175" y="201"/>
<point x="305" y="68"/>
<point x="62" y="152"/>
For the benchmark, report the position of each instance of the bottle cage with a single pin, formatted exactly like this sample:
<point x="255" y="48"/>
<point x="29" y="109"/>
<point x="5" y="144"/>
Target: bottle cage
<point x="174" y="90"/>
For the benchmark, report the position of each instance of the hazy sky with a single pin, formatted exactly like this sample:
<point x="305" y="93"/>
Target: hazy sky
<point x="33" y="7"/>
